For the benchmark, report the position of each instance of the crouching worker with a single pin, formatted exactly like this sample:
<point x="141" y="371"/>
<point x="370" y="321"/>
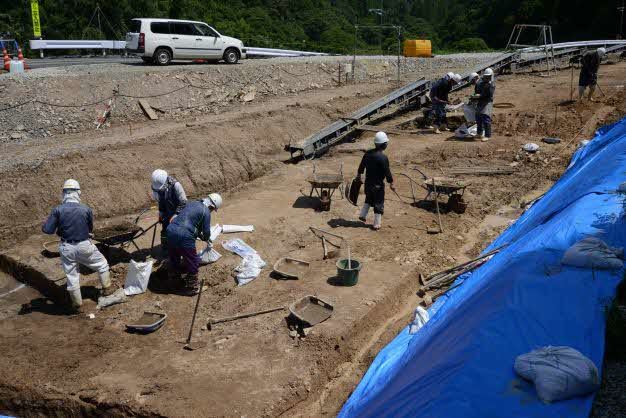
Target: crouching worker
<point x="375" y="164"/>
<point x="191" y="223"/>
<point x="73" y="222"/>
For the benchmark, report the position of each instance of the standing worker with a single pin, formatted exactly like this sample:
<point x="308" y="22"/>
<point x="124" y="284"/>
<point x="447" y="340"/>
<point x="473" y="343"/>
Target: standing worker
<point x="170" y="195"/>
<point x="589" y="66"/>
<point x="474" y="78"/>
<point x="73" y="222"/>
<point x="375" y="164"/>
<point x="485" y="90"/>
<point x="439" y="96"/>
<point x="191" y="223"/>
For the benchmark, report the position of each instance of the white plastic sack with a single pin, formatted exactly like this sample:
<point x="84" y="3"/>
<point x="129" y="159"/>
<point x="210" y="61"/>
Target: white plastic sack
<point x="592" y="252"/>
<point x="419" y="320"/>
<point x="558" y="373"/>
<point x="464" y="132"/>
<point x="216" y="230"/>
<point x="531" y="147"/>
<point x="239" y="247"/>
<point x="249" y="269"/>
<point x="209" y="255"/>
<point x="118" y="297"/>
<point x="137" y="277"/>
<point x="470" y="113"/>
<point x="229" y="229"/>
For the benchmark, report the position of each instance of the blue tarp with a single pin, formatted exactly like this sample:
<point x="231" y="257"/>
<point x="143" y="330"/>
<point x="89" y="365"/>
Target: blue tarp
<point x="460" y="364"/>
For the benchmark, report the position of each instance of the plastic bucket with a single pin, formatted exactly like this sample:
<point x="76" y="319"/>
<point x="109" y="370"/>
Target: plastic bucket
<point x="348" y="276"/>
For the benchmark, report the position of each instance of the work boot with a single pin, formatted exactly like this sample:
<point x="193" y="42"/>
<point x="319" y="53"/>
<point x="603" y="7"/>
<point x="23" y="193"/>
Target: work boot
<point x="437" y="131"/>
<point x="105" y="281"/>
<point x="378" y="220"/>
<point x="173" y="281"/>
<point x="484" y="139"/>
<point x="191" y="285"/>
<point x="76" y="300"/>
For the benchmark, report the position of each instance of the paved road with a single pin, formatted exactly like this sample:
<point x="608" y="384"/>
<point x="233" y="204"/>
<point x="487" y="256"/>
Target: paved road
<point x="65" y="61"/>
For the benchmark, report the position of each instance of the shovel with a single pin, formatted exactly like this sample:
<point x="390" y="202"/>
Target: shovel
<point x="434" y="230"/>
<point x="188" y="344"/>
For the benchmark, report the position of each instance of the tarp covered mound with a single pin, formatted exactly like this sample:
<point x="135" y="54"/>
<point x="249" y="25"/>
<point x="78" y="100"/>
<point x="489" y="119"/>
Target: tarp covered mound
<point x="460" y="364"/>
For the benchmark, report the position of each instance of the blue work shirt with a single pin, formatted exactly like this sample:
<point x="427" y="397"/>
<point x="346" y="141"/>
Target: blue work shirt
<point x="441" y="90"/>
<point x="72" y="221"/>
<point x="193" y="221"/>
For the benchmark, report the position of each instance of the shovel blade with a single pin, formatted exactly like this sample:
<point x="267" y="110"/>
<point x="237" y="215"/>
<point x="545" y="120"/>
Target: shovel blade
<point x="194" y="346"/>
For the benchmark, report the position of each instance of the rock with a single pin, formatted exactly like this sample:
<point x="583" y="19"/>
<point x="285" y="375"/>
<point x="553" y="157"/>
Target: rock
<point x="293" y="333"/>
<point x="16" y="135"/>
<point x="20" y="128"/>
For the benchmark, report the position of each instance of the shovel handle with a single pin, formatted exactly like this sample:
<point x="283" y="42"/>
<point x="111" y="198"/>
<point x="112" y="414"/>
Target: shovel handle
<point x="195" y="311"/>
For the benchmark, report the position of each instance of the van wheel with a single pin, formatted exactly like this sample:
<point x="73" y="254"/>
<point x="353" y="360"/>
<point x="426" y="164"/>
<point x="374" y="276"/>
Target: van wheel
<point x="162" y="56"/>
<point x="231" y="56"/>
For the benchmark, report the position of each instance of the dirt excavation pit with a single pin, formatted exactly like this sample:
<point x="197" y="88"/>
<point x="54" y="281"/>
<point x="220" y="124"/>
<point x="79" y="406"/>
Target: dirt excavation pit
<point x="253" y="366"/>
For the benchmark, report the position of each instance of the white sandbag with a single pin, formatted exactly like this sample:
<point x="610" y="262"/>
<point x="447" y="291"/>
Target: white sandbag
<point x="229" y="229"/>
<point x="118" y="297"/>
<point x="249" y="269"/>
<point x="419" y="320"/>
<point x="209" y="255"/>
<point x="531" y="147"/>
<point x="239" y="247"/>
<point x="592" y="252"/>
<point x="463" y="131"/>
<point x="216" y="230"/>
<point x="558" y="373"/>
<point x="470" y="113"/>
<point x="137" y="277"/>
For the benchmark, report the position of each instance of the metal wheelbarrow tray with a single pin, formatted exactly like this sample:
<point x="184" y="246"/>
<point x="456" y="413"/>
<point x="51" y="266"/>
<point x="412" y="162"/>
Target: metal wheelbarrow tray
<point x="149" y="322"/>
<point x="310" y="310"/>
<point x="291" y="268"/>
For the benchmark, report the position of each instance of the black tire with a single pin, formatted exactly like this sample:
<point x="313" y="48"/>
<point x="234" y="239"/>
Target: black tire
<point x="147" y="60"/>
<point x="162" y="56"/>
<point x="231" y="56"/>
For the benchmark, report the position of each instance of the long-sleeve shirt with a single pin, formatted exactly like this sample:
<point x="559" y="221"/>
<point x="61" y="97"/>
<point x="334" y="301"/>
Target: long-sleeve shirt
<point x="193" y="221"/>
<point x="72" y="221"/>
<point x="375" y="164"/>
<point x="486" y="90"/>
<point x="590" y="62"/>
<point x="440" y="91"/>
<point x="172" y="198"/>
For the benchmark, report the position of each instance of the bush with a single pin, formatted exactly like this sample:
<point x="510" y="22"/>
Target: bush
<point x="470" y="45"/>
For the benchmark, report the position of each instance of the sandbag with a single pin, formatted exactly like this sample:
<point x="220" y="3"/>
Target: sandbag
<point x="118" y="297"/>
<point x="463" y="131"/>
<point x="470" y="113"/>
<point x="419" y="320"/>
<point x="137" y="277"/>
<point x="209" y="255"/>
<point x="558" y="373"/>
<point x="592" y="252"/>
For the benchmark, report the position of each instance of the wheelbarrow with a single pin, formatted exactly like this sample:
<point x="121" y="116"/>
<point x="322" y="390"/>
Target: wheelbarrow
<point x="324" y="186"/>
<point x="124" y="234"/>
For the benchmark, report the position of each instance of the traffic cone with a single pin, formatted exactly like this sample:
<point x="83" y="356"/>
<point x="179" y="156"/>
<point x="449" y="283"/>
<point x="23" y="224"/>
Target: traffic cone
<point x="20" y="57"/>
<point x="7" y="60"/>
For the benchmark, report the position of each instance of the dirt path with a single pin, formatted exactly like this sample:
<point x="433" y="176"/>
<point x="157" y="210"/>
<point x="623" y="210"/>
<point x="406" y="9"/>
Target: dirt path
<point x="253" y="367"/>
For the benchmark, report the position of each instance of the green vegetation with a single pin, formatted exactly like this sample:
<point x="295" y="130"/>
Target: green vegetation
<point x="328" y="25"/>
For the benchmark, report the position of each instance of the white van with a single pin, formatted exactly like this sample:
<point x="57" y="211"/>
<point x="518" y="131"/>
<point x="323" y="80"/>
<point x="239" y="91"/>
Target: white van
<point x="160" y="41"/>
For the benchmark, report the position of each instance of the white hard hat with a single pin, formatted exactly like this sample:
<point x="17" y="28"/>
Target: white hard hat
<point x="380" y="138"/>
<point x="601" y="51"/>
<point x="159" y="177"/>
<point x="457" y="78"/>
<point x="71" y="184"/>
<point x="473" y="76"/>
<point x="488" y="72"/>
<point x="450" y="75"/>
<point x="214" y="201"/>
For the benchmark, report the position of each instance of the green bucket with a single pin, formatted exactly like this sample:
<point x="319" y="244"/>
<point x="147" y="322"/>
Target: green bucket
<point x="348" y="276"/>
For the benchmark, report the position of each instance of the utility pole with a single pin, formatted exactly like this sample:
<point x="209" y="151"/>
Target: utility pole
<point x="621" y="21"/>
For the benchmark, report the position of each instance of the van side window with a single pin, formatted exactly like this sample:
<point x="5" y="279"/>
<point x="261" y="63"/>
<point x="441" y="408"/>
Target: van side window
<point x="181" y="28"/>
<point x="205" y="30"/>
<point x="160" y="27"/>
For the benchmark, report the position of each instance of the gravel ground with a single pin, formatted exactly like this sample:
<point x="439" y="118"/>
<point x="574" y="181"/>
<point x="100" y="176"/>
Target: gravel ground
<point x="51" y="101"/>
<point x="610" y="401"/>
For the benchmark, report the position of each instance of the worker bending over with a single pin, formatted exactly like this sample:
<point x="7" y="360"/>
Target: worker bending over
<point x="474" y="78"/>
<point x="485" y="90"/>
<point x="590" y="64"/>
<point x="439" y="96"/>
<point x="375" y="164"/>
<point x="73" y="222"/>
<point x="170" y="195"/>
<point x="191" y="223"/>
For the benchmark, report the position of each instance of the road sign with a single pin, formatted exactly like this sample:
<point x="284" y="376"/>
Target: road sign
<point x="34" y="8"/>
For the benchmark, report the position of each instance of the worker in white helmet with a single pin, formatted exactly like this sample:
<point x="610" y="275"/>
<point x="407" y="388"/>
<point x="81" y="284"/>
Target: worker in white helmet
<point x="485" y="90"/>
<point x="439" y="96"/>
<point x="73" y="222"/>
<point x="192" y="222"/>
<point x="171" y="197"/>
<point x="375" y="164"/>
<point x="474" y="78"/>
<point x="589" y="66"/>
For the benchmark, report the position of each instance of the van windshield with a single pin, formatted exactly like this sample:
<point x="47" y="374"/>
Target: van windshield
<point x="135" y="26"/>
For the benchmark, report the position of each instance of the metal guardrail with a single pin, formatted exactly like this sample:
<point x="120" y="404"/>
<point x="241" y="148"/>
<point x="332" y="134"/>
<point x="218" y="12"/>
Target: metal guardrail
<point x="583" y="44"/>
<point x="273" y="52"/>
<point x="414" y="93"/>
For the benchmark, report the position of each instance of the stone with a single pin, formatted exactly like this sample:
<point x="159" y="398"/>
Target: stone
<point x="16" y="135"/>
<point x="20" y="128"/>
